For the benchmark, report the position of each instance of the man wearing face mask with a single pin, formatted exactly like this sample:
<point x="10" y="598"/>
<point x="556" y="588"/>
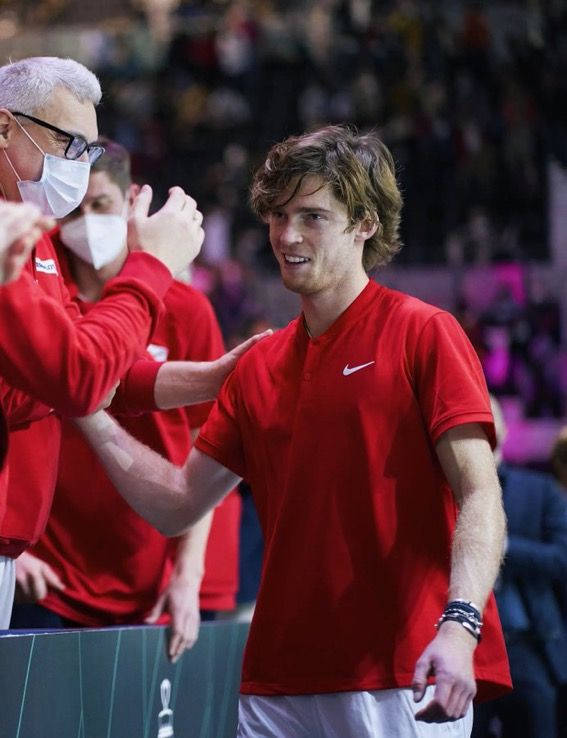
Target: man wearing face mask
<point x="52" y="358"/>
<point x="98" y="563"/>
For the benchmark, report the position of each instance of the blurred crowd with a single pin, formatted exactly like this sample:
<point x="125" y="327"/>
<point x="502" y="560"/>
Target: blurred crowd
<point x="467" y="96"/>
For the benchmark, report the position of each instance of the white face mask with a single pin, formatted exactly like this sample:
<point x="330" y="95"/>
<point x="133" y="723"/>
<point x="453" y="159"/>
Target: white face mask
<point x="95" y="238"/>
<point x="61" y="187"/>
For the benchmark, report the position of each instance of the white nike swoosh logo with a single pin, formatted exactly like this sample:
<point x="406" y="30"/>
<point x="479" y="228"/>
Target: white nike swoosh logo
<point x="351" y="369"/>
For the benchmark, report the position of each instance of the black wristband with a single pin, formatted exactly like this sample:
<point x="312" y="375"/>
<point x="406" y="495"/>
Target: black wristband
<point x="466" y="614"/>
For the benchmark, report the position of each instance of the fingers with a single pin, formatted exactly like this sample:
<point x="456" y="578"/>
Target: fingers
<point x="40" y="579"/>
<point x="419" y="681"/>
<point x="178" y="200"/>
<point x="34" y="578"/>
<point x="184" y="632"/>
<point x="37" y="586"/>
<point x="451" y="701"/>
<point x="198" y="217"/>
<point x="176" y="647"/>
<point x="141" y="204"/>
<point x="156" y="611"/>
<point x="52" y="579"/>
<point x="242" y="348"/>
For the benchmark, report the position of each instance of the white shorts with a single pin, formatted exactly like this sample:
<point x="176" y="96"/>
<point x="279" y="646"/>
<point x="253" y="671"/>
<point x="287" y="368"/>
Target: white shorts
<point x="7" y="587"/>
<point x="385" y="713"/>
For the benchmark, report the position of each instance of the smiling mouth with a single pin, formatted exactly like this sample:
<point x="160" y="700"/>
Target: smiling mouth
<point x="289" y="259"/>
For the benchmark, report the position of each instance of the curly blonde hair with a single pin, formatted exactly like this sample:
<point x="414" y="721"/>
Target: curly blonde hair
<point x="360" y="170"/>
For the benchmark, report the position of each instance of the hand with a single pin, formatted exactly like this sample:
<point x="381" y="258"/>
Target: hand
<point x="181" y="600"/>
<point x="21" y="225"/>
<point x="34" y="578"/>
<point x="227" y="362"/>
<point x="449" y="657"/>
<point x="173" y="234"/>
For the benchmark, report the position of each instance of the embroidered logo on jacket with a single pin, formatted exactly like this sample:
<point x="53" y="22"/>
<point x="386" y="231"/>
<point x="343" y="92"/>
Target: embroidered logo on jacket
<point x="47" y="266"/>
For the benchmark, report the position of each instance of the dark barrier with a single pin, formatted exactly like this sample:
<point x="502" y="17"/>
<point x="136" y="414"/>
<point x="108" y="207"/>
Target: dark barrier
<point x="118" y="683"/>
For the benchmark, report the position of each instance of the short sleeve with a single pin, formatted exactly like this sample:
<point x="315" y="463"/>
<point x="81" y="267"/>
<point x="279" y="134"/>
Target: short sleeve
<point x="221" y="436"/>
<point x="448" y="377"/>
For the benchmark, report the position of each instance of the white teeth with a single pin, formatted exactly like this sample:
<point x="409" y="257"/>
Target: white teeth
<point x="295" y="259"/>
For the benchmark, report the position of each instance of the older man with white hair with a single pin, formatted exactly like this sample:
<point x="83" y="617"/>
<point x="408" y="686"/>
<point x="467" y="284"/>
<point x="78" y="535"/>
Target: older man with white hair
<point x="53" y="360"/>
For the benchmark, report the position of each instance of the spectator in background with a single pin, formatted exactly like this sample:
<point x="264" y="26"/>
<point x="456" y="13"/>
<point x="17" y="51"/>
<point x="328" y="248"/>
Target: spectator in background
<point x="98" y="563"/>
<point x="530" y="592"/>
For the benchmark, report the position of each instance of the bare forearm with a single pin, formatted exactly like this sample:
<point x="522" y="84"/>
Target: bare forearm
<point x="478" y="540"/>
<point x="180" y="383"/>
<point x="152" y="486"/>
<point x="191" y="549"/>
<point x="478" y="544"/>
<point x="169" y="497"/>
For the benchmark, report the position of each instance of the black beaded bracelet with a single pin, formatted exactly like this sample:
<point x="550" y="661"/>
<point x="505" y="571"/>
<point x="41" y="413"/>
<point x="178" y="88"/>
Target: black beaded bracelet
<point x="465" y="613"/>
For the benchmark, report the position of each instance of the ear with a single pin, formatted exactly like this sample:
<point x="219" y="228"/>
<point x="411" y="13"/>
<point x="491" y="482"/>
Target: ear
<point x="7" y="124"/>
<point x="366" y="228"/>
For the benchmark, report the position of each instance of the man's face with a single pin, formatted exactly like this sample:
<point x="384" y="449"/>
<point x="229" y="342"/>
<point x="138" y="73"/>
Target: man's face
<point x="63" y="111"/>
<point x="103" y="197"/>
<point x="310" y="238"/>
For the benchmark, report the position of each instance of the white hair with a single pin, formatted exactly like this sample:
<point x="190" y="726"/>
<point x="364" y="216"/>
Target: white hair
<point x="27" y="85"/>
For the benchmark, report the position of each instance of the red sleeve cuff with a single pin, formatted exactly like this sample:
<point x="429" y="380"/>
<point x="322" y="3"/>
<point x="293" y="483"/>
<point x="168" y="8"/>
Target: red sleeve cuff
<point x="149" y="270"/>
<point x="209" y="449"/>
<point x="483" y="419"/>
<point x="135" y="394"/>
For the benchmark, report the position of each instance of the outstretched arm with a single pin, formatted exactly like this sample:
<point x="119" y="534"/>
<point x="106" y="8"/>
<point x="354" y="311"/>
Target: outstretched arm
<point x="478" y="542"/>
<point x="169" y="497"/>
<point x="180" y="383"/>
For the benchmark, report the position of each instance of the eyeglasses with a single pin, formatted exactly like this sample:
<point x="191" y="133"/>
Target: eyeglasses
<point x="77" y="144"/>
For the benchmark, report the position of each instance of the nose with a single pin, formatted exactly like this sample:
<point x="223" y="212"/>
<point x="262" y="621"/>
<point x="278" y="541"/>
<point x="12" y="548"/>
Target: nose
<point x="290" y="233"/>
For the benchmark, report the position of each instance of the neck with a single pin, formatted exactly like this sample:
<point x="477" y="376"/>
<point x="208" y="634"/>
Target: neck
<point x="320" y="310"/>
<point x="90" y="281"/>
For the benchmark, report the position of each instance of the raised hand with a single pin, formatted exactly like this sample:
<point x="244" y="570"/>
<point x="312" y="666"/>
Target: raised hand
<point x="173" y="234"/>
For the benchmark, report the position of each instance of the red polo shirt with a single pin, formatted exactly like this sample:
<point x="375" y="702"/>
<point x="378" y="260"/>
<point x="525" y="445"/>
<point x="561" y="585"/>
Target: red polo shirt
<point x="336" y="436"/>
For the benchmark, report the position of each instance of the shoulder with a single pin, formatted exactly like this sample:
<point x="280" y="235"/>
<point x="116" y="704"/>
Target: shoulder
<point x="407" y="308"/>
<point x="183" y="299"/>
<point x="410" y="318"/>
<point x="269" y="351"/>
<point x="182" y="294"/>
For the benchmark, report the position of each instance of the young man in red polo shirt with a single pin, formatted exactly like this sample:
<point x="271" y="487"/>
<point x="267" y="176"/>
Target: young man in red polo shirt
<point x="98" y="563"/>
<point x="364" y="430"/>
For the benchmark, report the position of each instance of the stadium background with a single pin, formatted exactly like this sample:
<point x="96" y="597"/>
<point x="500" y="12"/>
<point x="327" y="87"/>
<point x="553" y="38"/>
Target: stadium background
<point x="470" y="97"/>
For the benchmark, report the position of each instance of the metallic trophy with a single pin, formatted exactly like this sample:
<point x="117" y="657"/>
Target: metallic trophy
<point x="165" y="717"/>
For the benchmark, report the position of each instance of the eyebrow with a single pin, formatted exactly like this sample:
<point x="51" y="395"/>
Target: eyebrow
<point x="97" y="198"/>
<point x="305" y="209"/>
<point x="76" y="134"/>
